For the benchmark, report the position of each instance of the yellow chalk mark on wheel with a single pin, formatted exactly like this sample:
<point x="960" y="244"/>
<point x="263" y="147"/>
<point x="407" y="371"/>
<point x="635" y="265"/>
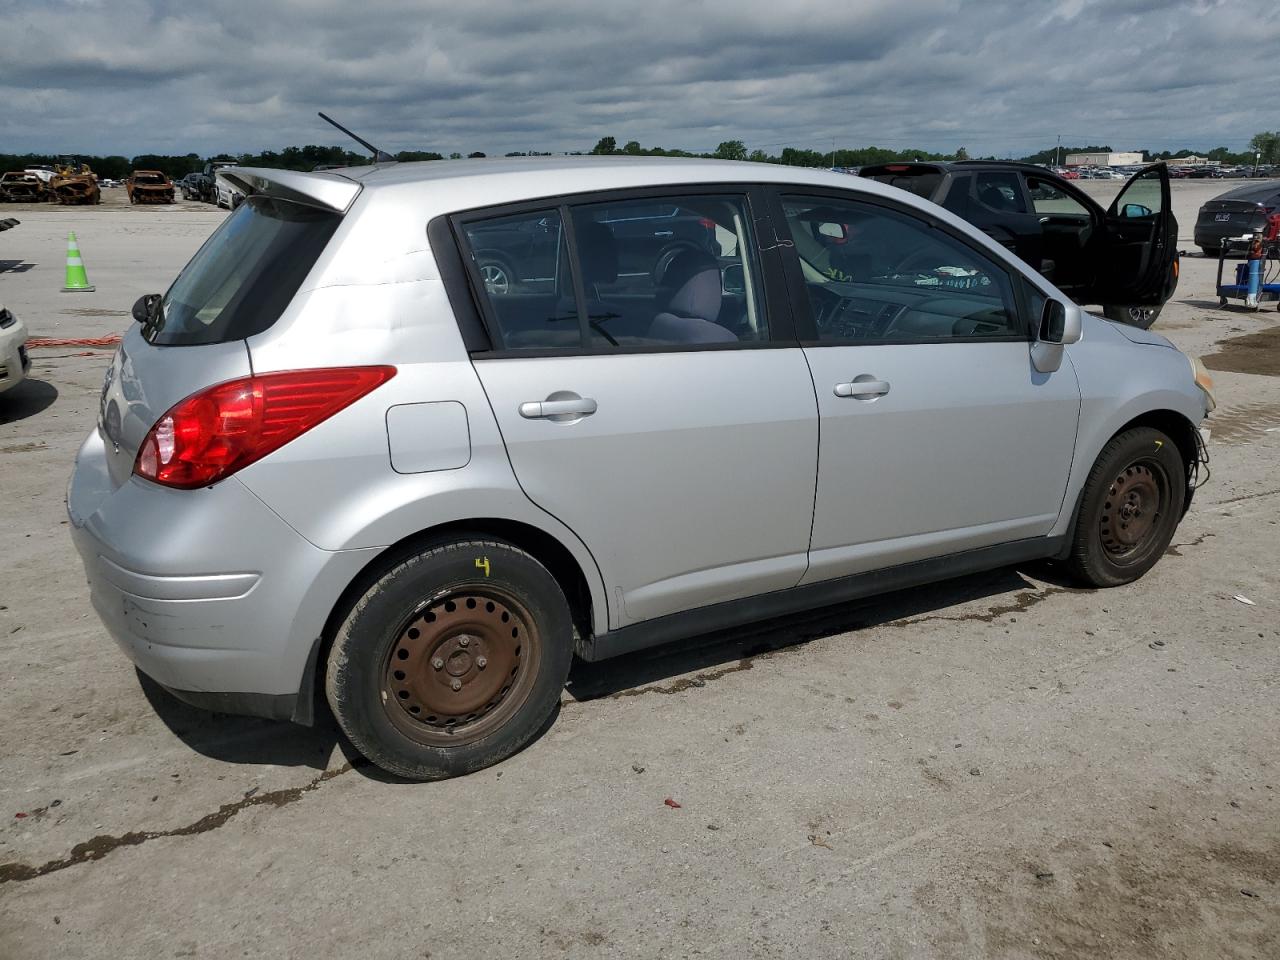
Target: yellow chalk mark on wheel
<point x="482" y="563"/>
<point x="1159" y="444"/>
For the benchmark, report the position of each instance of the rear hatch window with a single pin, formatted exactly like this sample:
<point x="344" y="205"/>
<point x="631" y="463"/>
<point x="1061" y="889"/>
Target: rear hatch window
<point x="244" y="276"/>
<point x="920" y="179"/>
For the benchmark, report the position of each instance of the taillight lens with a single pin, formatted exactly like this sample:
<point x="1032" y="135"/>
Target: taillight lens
<point x="212" y="434"/>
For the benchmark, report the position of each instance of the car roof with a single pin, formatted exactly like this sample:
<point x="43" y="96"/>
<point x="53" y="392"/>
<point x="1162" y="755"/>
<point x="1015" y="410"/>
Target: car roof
<point x="947" y="165"/>
<point x="450" y="185"/>
<point x="1251" y="191"/>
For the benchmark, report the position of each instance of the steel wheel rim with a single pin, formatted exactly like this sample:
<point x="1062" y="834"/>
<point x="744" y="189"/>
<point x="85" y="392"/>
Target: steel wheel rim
<point x="495" y="279"/>
<point x="1131" y="513"/>
<point x="1141" y="314"/>
<point x="460" y="666"/>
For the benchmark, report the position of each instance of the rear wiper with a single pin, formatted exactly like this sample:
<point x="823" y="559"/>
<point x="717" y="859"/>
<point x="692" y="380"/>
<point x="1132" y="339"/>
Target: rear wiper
<point x="148" y="310"/>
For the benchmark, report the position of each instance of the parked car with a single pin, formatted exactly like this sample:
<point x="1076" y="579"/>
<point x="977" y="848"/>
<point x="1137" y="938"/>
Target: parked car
<point x="206" y="182"/>
<point x="14" y="362"/>
<point x="1241" y="211"/>
<point x="189" y="186"/>
<point x="149" y="186"/>
<point x="227" y="194"/>
<point x="332" y="461"/>
<point x="22" y="186"/>
<point x="1124" y="258"/>
<point x="1206" y="173"/>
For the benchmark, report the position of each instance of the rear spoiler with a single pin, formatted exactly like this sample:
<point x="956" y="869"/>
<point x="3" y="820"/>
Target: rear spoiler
<point x="327" y="190"/>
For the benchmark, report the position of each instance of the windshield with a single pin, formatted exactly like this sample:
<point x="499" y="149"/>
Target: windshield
<point x="240" y="281"/>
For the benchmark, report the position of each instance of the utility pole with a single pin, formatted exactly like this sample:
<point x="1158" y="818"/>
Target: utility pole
<point x="833" y="153"/>
<point x="1057" y="152"/>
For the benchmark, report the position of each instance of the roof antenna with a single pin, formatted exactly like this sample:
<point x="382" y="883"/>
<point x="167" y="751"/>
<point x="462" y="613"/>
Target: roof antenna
<point x="378" y="155"/>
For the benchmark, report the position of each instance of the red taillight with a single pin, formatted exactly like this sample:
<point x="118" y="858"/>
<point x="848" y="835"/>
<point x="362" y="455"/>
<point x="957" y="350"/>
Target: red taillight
<point x="897" y="168"/>
<point x="213" y="433"/>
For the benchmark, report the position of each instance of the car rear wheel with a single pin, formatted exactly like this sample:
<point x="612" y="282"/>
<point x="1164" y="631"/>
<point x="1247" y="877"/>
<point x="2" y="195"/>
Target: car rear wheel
<point x="1209" y="251"/>
<point x="1131" y="505"/>
<point x="498" y="277"/>
<point x="452" y="660"/>
<point x="1140" y="317"/>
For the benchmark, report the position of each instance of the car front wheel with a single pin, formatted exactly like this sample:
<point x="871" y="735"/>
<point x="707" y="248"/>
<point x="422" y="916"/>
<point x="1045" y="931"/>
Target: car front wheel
<point x="1130" y="507"/>
<point x="452" y="660"/>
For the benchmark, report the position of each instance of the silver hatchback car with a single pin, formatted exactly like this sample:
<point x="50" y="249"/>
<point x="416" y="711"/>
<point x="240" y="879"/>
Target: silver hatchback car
<point x="409" y="437"/>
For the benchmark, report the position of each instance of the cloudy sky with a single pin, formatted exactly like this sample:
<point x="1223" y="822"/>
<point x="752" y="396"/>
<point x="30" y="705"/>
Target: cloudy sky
<point x="996" y="76"/>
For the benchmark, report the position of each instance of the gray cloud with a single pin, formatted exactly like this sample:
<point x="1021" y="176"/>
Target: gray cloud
<point x="1003" y="76"/>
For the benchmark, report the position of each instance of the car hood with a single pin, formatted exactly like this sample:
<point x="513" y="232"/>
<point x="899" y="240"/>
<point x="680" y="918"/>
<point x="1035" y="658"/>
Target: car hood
<point x="1135" y="335"/>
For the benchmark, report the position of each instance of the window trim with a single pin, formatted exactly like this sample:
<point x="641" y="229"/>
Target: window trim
<point x="801" y="308"/>
<point x="480" y="332"/>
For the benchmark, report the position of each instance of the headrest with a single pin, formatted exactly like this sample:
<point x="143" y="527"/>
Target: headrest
<point x="692" y="279"/>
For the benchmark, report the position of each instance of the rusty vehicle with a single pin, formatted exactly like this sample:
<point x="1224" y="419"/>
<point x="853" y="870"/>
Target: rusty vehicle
<point x="149" y="186"/>
<point x="21" y="186"/>
<point x="74" y="182"/>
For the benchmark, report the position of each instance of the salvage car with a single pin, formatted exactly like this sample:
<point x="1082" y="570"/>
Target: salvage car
<point x="74" y="182"/>
<point x="1124" y="258"/>
<point x="21" y="186"/>
<point x="149" y="186"/>
<point x="331" y="461"/>
<point x="14" y="361"/>
<point x="1240" y="212"/>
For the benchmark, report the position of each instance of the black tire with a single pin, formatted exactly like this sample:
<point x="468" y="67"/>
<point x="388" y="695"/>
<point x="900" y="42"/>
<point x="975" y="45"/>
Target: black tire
<point x="1131" y="505"/>
<point x="1209" y="251"/>
<point x="1140" y="317"/>
<point x="415" y="645"/>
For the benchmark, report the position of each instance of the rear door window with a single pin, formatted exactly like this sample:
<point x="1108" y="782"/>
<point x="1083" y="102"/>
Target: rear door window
<point x="241" y="280"/>
<point x="1001" y="191"/>
<point x="644" y="274"/>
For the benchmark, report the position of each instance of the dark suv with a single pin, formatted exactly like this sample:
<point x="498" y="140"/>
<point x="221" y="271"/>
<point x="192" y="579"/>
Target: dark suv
<point x="1124" y="258"/>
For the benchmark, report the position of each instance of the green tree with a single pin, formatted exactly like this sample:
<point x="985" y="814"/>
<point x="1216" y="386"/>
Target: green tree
<point x="962" y="154"/>
<point x="1267" y="145"/>
<point x="632" y="148"/>
<point x="731" y="150"/>
<point x="605" y="145"/>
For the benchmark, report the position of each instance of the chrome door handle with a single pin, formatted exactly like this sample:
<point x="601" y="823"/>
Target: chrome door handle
<point x="558" y="409"/>
<point x="664" y="233"/>
<point x="861" y="389"/>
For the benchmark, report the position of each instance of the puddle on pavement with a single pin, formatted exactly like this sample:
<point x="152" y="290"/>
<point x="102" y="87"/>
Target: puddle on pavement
<point x="1244" y="423"/>
<point x="1256" y="353"/>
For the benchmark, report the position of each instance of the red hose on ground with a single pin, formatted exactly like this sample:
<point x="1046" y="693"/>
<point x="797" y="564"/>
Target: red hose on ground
<point x="108" y="341"/>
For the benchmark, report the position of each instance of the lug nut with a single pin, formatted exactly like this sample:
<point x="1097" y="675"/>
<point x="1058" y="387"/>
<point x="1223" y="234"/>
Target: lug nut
<point x="464" y="641"/>
<point x="438" y="663"/>
<point x="481" y="662"/>
<point x="457" y="685"/>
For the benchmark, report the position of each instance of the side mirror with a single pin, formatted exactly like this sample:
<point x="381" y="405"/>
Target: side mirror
<point x="1134" y="211"/>
<point x="1060" y="324"/>
<point x="144" y="307"/>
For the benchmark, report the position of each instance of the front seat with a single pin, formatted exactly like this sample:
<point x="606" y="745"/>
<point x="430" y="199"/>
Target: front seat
<point x="693" y="294"/>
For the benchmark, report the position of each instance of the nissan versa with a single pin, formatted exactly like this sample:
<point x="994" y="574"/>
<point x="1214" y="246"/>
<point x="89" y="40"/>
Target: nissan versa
<point x="333" y="461"/>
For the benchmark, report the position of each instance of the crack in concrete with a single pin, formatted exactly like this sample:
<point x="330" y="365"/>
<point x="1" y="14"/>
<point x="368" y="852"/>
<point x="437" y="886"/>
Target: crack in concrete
<point x="1174" y="549"/>
<point x="684" y="683"/>
<point x="1024" y="601"/>
<point x="1247" y="496"/>
<point x="103" y="844"/>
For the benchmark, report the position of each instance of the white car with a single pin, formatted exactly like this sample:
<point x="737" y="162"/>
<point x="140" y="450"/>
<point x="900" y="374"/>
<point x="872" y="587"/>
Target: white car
<point x="227" y="195"/>
<point x="14" y="362"/>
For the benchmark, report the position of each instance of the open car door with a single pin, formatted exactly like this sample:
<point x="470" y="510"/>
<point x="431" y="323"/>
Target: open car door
<point x="1138" y="255"/>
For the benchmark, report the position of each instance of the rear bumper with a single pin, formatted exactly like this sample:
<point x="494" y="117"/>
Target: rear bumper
<point x="1211" y="235"/>
<point x="208" y="592"/>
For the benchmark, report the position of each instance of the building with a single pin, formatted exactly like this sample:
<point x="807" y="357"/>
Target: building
<point x="1104" y="159"/>
<point x="1191" y="160"/>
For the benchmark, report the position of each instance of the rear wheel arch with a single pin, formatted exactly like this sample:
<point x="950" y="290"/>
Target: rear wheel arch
<point x="542" y="546"/>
